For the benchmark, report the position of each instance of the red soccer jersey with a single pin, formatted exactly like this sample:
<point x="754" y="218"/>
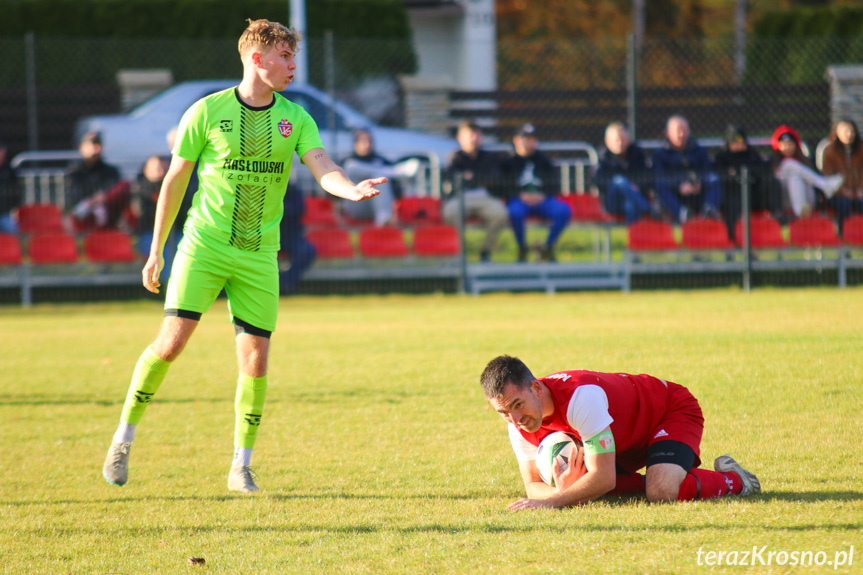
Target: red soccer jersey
<point x="637" y="406"/>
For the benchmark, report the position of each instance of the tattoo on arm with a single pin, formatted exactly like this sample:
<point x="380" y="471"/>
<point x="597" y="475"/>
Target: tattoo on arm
<point x="318" y="156"/>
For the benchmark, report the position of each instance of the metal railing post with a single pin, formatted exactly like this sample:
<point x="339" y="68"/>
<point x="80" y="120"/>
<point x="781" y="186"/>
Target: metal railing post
<point x="32" y="93"/>
<point x="631" y="85"/>
<point x="458" y="188"/>
<point x="330" y="59"/>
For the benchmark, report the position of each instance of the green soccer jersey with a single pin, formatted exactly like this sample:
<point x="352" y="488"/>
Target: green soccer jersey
<point x="244" y="156"/>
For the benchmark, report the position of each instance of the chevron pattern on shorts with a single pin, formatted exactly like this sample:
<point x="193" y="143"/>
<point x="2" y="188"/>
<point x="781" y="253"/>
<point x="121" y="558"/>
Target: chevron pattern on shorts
<point x="248" y="213"/>
<point x="256" y="134"/>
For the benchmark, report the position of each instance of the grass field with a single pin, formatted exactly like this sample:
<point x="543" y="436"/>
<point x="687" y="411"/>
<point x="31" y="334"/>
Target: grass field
<point x="377" y="453"/>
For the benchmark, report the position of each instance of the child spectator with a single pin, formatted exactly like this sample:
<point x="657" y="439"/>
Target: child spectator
<point x="795" y="172"/>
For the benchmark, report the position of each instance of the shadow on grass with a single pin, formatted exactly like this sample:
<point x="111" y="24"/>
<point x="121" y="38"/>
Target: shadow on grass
<point x="54" y="399"/>
<point x="454" y="529"/>
<point x="808" y="496"/>
<point x="241" y="497"/>
<point x="798" y="497"/>
<point x="317" y="397"/>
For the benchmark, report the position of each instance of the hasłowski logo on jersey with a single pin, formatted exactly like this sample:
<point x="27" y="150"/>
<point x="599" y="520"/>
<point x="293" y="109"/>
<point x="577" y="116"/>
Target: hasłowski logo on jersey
<point x="285" y="128"/>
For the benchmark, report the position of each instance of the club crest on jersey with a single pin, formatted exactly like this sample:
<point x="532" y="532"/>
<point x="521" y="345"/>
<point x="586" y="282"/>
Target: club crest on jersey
<point x="285" y="128"/>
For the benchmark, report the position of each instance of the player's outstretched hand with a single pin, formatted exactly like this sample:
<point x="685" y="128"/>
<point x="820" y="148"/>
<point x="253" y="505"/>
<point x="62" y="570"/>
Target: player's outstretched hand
<point x="366" y="189"/>
<point x="530" y="504"/>
<point x="150" y="273"/>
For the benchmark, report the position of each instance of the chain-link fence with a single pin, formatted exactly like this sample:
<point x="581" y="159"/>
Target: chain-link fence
<point x="569" y="90"/>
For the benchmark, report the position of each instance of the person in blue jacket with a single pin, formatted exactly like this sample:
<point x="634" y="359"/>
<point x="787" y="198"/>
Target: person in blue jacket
<point x="684" y="178"/>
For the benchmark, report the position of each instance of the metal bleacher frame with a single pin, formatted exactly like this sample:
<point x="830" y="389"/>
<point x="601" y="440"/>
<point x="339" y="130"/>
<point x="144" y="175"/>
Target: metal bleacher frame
<point x="44" y="178"/>
<point x="43" y="175"/>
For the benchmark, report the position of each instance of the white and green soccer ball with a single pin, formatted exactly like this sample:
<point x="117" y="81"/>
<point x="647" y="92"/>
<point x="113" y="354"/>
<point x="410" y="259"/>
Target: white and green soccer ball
<point x="555" y="446"/>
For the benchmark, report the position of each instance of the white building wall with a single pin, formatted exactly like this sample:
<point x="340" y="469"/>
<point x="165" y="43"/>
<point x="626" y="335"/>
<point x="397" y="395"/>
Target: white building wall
<point x="457" y="44"/>
<point x="478" y="56"/>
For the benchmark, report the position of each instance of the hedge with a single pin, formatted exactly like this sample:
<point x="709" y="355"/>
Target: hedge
<point x="380" y="19"/>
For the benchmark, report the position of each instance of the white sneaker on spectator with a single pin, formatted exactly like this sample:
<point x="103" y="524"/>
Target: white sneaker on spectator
<point x="833" y="182"/>
<point x="408" y="168"/>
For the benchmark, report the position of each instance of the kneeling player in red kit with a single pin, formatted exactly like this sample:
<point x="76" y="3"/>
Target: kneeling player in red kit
<point x="625" y="422"/>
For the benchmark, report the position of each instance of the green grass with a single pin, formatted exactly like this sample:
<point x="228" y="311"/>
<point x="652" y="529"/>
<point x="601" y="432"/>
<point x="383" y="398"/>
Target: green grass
<point x="378" y="454"/>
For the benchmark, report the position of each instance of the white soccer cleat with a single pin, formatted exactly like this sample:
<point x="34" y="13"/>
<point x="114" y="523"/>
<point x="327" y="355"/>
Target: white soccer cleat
<point x="116" y="468"/>
<point x="751" y="484"/>
<point x="242" y="479"/>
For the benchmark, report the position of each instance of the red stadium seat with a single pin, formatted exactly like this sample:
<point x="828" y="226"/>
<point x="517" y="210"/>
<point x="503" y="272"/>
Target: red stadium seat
<point x="706" y="234"/>
<point x="765" y="233"/>
<point x="37" y="218"/>
<point x="319" y="212"/>
<point x="357" y="222"/>
<point x="814" y="232"/>
<point x="53" y="248"/>
<point x="10" y="250"/>
<point x="852" y="231"/>
<point x="383" y="242"/>
<point x="418" y="211"/>
<point x="436" y="241"/>
<point x="331" y="243"/>
<point x="586" y="208"/>
<point x="648" y="235"/>
<point x="108" y="246"/>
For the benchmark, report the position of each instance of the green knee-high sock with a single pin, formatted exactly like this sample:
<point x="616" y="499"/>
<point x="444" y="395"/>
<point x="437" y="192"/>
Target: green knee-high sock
<point x="149" y="374"/>
<point x="249" y="406"/>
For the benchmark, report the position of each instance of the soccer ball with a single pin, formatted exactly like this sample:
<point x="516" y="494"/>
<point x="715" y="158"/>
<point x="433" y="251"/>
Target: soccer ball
<point x="555" y="446"/>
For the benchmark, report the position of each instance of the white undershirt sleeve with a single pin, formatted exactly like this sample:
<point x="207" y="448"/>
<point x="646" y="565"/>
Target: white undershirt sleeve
<point x="524" y="451"/>
<point x="587" y="412"/>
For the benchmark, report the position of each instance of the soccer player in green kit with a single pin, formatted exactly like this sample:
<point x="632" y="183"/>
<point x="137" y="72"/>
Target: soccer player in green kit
<point x="244" y="138"/>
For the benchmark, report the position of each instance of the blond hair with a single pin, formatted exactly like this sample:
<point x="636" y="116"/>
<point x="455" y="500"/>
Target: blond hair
<point x="263" y="33"/>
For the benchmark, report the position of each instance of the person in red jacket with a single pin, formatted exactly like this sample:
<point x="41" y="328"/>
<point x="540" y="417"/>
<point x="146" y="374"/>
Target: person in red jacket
<point x="625" y="422"/>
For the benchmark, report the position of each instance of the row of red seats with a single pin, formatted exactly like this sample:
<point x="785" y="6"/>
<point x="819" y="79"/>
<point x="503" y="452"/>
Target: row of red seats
<point x="107" y="246"/>
<point x="320" y="212"/>
<point x="385" y="242"/>
<point x="765" y="233"/>
<point x="112" y="246"/>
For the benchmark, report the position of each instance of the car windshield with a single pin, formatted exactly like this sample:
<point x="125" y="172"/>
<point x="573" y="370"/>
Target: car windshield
<point x="319" y="111"/>
<point x="167" y="98"/>
<point x="181" y="100"/>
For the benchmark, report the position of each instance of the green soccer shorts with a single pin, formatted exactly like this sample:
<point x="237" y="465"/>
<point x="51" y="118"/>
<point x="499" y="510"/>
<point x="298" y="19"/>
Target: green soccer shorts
<point x="250" y="280"/>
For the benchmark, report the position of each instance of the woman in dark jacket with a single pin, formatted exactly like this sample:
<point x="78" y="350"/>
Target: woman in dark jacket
<point x="844" y="155"/>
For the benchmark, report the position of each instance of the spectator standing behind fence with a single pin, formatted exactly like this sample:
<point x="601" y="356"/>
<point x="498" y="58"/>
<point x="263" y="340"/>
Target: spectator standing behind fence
<point x="623" y="177"/>
<point x="293" y="242"/>
<point x="685" y="183"/>
<point x="764" y="191"/>
<point x="844" y="155"/>
<point x="98" y="196"/>
<point x="532" y="182"/>
<point x="145" y="195"/>
<point x="795" y="172"/>
<point x="10" y="193"/>
<point x="479" y="175"/>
